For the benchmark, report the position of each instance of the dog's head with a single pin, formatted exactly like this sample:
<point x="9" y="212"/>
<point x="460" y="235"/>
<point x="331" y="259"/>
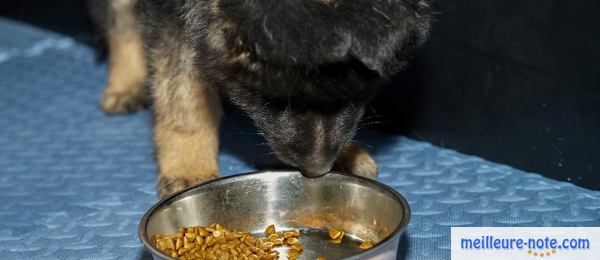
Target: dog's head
<point x="305" y="70"/>
<point x="308" y="116"/>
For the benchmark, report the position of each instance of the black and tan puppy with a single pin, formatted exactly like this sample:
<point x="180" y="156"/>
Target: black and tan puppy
<point x="303" y="70"/>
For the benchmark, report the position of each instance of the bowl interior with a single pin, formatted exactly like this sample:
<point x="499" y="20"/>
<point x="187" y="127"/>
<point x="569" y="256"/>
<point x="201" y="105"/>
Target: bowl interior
<point x="363" y="209"/>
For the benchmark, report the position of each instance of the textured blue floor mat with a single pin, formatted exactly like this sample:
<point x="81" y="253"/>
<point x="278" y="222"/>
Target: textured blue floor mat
<point x="74" y="183"/>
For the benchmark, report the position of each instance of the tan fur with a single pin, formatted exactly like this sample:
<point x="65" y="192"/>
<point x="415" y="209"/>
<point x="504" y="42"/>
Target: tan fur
<point x="186" y="125"/>
<point x="356" y="160"/>
<point x="187" y="113"/>
<point x="127" y="71"/>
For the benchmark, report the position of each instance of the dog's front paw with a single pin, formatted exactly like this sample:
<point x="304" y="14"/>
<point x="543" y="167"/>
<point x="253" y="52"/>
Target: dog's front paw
<point x="356" y="160"/>
<point x="169" y="185"/>
<point x="121" y="102"/>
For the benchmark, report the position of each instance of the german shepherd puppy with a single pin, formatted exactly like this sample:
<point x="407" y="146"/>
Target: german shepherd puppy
<point x="303" y="70"/>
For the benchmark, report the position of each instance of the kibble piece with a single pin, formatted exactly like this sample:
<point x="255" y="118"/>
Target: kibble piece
<point x="291" y="241"/>
<point x="267" y="245"/>
<point x="171" y="243"/>
<point x="199" y="240"/>
<point x="249" y="242"/>
<point x="293" y="254"/>
<point x="203" y="232"/>
<point x="270" y="230"/>
<point x="259" y="244"/>
<point x="232" y="236"/>
<point x="209" y="240"/>
<point x="220" y="227"/>
<point x="272" y="237"/>
<point x="295" y="233"/>
<point x="292" y="233"/>
<point x="278" y="242"/>
<point x="188" y="246"/>
<point x="299" y="247"/>
<point x="220" y="240"/>
<point x="162" y="244"/>
<point x="335" y="234"/>
<point x="365" y="245"/>
<point x="217" y="233"/>
<point x="261" y="252"/>
<point x="321" y="258"/>
<point x="335" y="241"/>
<point x="178" y="243"/>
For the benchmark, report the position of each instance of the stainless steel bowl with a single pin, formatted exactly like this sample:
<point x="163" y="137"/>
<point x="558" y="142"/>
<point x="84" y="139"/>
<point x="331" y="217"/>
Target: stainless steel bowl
<point x="363" y="208"/>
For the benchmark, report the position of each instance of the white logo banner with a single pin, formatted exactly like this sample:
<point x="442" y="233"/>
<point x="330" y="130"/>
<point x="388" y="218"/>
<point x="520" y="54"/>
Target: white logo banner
<point x="527" y="243"/>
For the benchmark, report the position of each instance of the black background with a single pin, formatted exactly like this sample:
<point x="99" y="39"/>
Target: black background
<point x="512" y="81"/>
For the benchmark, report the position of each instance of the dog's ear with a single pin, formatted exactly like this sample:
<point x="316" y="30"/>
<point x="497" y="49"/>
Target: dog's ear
<point x="388" y="31"/>
<point x="369" y="56"/>
<point x="383" y="53"/>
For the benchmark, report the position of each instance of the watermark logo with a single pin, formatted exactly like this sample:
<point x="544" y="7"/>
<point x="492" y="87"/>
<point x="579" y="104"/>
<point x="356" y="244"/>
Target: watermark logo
<point x="516" y="243"/>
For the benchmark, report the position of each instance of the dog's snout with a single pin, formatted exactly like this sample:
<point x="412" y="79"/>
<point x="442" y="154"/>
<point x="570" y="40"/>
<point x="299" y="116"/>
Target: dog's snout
<point x="315" y="171"/>
<point x="311" y="140"/>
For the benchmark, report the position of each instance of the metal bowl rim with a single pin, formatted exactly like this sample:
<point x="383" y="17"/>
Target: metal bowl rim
<point x="397" y="231"/>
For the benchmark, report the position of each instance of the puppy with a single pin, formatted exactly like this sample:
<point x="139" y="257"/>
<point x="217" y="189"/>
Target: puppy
<point x="303" y="70"/>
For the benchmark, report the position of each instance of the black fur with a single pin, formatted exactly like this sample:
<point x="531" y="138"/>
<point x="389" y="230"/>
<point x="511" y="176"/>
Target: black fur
<point x="302" y="69"/>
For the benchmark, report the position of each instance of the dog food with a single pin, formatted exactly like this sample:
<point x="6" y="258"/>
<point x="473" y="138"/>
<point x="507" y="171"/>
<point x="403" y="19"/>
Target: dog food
<point x="218" y="242"/>
<point x="365" y="245"/>
<point x="337" y="236"/>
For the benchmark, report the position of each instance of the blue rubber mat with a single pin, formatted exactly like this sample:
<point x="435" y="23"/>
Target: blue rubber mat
<point x="74" y="183"/>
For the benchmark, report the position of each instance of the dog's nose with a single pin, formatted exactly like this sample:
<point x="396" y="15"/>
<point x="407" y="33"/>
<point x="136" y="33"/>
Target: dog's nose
<point x="315" y="171"/>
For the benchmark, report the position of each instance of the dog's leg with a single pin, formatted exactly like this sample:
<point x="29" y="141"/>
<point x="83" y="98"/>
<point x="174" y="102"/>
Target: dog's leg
<point x="187" y="117"/>
<point x="127" y="67"/>
<point x="357" y="161"/>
